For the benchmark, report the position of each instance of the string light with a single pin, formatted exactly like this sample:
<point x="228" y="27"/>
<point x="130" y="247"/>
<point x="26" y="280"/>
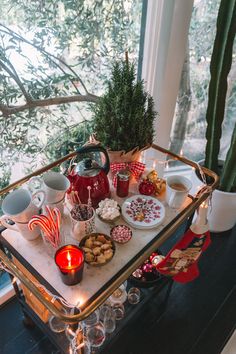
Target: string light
<point x="73" y="346"/>
<point x="41" y="287"/>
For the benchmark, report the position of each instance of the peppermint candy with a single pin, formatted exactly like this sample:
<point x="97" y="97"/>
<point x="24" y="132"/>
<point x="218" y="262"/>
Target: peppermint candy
<point x="121" y="233"/>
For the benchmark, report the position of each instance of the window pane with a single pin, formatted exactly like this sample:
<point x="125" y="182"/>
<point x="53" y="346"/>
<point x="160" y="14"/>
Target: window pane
<point x="4" y="279"/>
<point x="39" y="40"/>
<point x="189" y="125"/>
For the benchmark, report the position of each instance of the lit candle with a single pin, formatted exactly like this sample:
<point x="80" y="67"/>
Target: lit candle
<point x="70" y="261"/>
<point x="154" y="165"/>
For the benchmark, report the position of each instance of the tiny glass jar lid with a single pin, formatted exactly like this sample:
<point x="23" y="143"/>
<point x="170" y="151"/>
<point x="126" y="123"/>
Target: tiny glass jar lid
<point x="123" y="175"/>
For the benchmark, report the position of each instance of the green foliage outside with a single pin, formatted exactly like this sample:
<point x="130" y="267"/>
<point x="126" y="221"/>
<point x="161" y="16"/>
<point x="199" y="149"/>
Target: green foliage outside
<point x="51" y="49"/>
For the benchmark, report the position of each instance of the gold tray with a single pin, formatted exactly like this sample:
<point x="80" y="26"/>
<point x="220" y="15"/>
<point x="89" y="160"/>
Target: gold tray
<point x="97" y="301"/>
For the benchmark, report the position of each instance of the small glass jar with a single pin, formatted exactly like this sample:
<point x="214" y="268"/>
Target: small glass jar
<point x="122" y="189"/>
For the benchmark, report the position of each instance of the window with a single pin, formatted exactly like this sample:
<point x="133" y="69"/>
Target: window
<point x="189" y="125"/>
<point x="57" y="49"/>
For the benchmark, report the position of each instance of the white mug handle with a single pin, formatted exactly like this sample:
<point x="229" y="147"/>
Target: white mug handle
<point x="32" y="181"/>
<point x="172" y="199"/>
<point x="4" y="222"/>
<point x="42" y="198"/>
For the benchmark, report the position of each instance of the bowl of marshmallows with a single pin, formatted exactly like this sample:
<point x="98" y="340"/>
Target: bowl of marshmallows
<point x="108" y="210"/>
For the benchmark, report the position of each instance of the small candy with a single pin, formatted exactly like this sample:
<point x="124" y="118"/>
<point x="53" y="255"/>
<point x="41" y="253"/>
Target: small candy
<point x="121" y="233"/>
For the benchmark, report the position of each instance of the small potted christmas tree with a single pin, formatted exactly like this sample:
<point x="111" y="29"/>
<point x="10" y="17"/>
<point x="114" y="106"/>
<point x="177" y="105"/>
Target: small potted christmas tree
<point x="124" y="115"/>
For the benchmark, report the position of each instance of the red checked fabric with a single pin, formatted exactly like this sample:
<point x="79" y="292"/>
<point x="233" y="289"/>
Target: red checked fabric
<point x="136" y="168"/>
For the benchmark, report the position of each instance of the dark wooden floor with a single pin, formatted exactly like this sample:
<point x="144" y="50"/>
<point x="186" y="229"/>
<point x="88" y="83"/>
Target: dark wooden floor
<point x="199" y="318"/>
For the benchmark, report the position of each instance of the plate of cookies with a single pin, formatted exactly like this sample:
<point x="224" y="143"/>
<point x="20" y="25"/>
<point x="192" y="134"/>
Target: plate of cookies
<point x="98" y="248"/>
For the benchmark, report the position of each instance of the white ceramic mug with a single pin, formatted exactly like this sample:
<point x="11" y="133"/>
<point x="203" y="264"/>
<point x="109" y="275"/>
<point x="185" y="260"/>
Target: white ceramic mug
<point x="59" y="205"/>
<point x="23" y="229"/>
<point x="82" y="228"/>
<point x="20" y="205"/>
<point x="54" y="184"/>
<point x="177" y="188"/>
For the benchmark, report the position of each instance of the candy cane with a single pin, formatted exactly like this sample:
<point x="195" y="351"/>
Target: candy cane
<point x="44" y="229"/>
<point x="50" y="213"/>
<point x="36" y="221"/>
<point x="57" y="214"/>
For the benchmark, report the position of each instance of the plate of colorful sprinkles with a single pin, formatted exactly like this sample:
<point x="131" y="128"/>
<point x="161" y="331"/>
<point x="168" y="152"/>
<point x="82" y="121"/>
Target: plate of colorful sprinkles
<point x="143" y="212"/>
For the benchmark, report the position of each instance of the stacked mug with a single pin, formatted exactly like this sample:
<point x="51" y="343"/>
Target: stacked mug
<point x="22" y="204"/>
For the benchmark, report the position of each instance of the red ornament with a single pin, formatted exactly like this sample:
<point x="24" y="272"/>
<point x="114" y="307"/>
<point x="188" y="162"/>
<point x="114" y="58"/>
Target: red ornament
<point x="147" y="268"/>
<point x="146" y="187"/>
<point x="153" y="255"/>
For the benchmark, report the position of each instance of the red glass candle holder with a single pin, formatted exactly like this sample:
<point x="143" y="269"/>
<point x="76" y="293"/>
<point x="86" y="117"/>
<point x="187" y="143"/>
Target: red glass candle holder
<point x="70" y="261"/>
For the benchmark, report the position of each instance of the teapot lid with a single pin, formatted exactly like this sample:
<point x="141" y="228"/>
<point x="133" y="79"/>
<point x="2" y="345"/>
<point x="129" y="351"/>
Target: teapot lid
<point x="88" y="168"/>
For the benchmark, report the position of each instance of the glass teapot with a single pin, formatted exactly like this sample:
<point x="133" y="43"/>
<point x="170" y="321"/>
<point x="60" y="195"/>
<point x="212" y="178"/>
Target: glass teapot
<point x="88" y="173"/>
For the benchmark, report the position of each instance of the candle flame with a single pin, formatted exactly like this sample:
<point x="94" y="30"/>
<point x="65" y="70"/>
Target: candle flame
<point x="181" y="152"/>
<point x="167" y="165"/>
<point x="69" y="259"/>
<point x="204" y="204"/>
<point x="154" y="165"/>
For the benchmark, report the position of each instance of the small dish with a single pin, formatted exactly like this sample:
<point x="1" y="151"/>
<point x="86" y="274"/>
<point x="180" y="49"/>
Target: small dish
<point x="110" y="221"/>
<point x="151" y="277"/>
<point x="109" y="206"/>
<point x="99" y="249"/>
<point x="121" y="233"/>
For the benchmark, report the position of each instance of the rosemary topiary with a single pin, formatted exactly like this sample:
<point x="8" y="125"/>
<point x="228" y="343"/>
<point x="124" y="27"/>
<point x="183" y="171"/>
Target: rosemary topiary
<point x="124" y="115"/>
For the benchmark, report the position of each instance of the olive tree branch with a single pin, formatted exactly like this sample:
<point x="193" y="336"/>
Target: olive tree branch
<point x="8" y="110"/>
<point x="13" y="74"/>
<point x="46" y="53"/>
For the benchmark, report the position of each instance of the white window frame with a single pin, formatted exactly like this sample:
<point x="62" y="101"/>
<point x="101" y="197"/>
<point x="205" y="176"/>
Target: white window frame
<point x="166" y="33"/>
<point x="167" y="27"/>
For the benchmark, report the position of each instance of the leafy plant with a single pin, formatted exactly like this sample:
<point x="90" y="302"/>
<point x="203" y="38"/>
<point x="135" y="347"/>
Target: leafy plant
<point x="221" y="61"/>
<point x="123" y="116"/>
<point x="53" y="55"/>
